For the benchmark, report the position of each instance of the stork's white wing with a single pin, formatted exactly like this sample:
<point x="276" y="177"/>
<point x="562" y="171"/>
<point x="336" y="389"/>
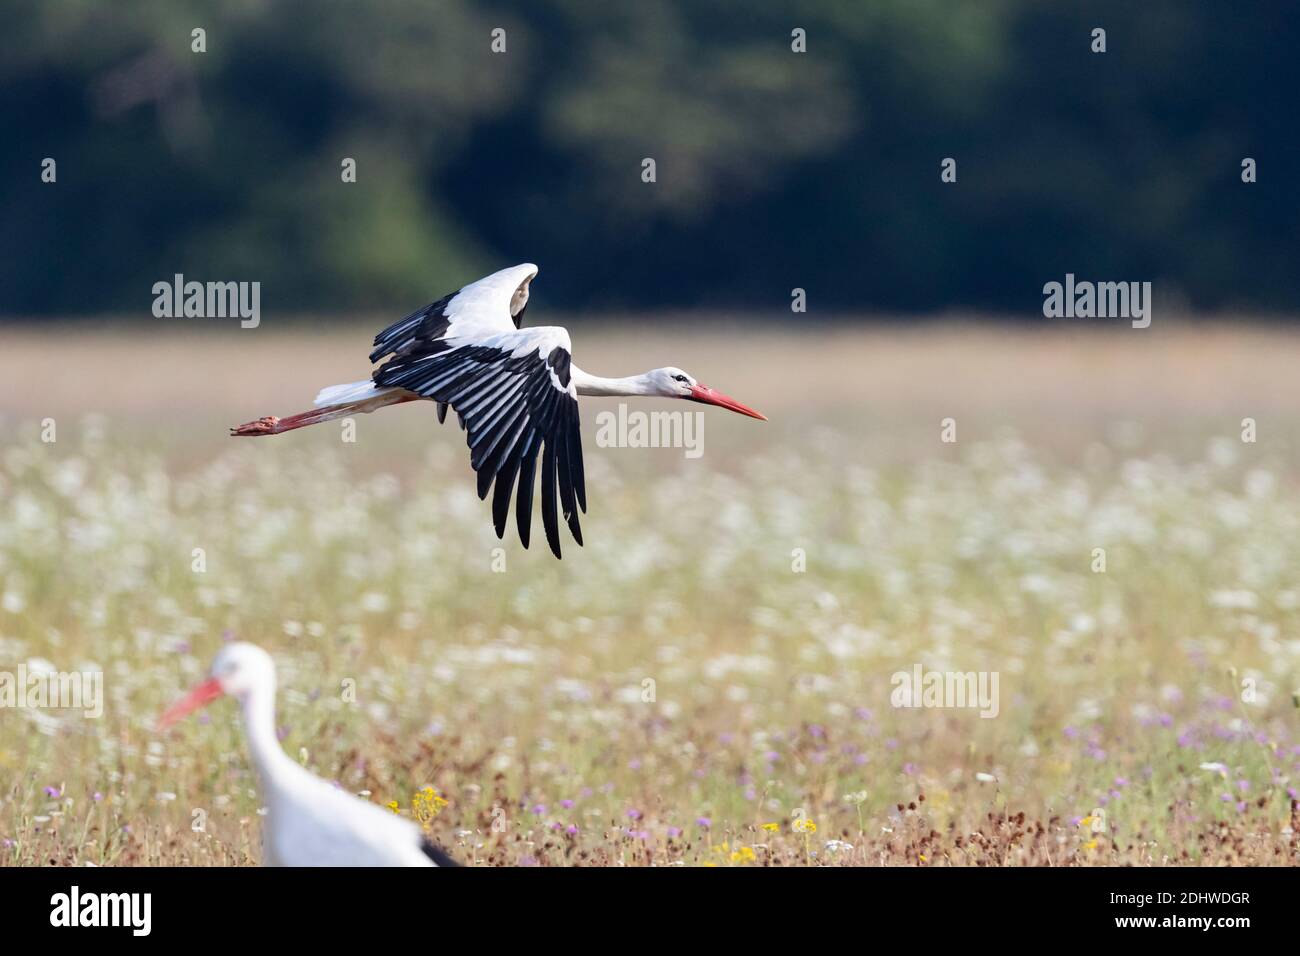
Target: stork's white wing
<point x="478" y="310"/>
<point x="515" y="397"/>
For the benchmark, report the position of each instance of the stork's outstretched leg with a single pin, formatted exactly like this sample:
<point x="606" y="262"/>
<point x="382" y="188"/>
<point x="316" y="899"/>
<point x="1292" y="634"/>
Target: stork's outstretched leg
<point x="271" y="425"/>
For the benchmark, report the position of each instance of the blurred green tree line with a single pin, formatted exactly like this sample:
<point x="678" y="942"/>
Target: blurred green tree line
<point x="774" y="169"/>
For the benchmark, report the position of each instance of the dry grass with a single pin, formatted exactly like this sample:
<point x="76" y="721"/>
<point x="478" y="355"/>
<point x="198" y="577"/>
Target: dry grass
<point x="519" y="695"/>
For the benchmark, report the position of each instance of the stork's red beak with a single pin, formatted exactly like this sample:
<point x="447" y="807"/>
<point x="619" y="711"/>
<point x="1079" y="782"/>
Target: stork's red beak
<point x="709" y="396"/>
<point x="201" y="695"/>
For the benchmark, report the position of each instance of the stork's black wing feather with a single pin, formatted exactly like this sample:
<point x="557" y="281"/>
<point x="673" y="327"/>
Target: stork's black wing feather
<point x="515" y="399"/>
<point x="437" y="854"/>
<point x="420" y="333"/>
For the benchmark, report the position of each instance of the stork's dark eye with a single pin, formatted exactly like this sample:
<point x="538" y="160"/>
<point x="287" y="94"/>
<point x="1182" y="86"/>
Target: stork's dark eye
<point x="680" y="378"/>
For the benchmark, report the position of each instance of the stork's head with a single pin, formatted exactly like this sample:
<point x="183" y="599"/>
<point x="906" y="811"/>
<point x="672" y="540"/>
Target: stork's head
<point x="519" y="300"/>
<point x="673" y="382"/>
<point x="239" y="670"/>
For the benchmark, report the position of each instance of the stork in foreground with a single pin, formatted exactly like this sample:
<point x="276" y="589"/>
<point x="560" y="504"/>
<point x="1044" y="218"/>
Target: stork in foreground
<point x="309" y="822"/>
<point x="514" y="390"/>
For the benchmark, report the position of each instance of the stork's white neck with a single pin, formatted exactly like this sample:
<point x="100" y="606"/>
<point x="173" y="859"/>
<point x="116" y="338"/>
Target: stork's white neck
<point x="258" y="708"/>
<point x="595" y="385"/>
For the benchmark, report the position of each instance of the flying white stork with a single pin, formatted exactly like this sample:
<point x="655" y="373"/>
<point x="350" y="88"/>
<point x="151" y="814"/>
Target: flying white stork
<point x="514" y="390"/>
<point x="309" y="822"/>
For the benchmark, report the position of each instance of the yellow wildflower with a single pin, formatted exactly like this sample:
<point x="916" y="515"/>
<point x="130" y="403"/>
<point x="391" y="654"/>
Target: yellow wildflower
<point x="392" y="805"/>
<point x="744" y="855"/>
<point x="427" y="804"/>
<point x="772" y="827"/>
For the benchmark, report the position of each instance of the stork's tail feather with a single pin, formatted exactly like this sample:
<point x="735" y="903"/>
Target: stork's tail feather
<point x="347" y="393"/>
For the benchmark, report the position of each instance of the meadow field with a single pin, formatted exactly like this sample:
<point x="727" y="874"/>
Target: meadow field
<point x="709" y="681"/>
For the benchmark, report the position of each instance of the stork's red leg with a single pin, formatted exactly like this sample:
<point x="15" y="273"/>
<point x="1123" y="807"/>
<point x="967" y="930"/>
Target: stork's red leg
<point x="271" y="425"/>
